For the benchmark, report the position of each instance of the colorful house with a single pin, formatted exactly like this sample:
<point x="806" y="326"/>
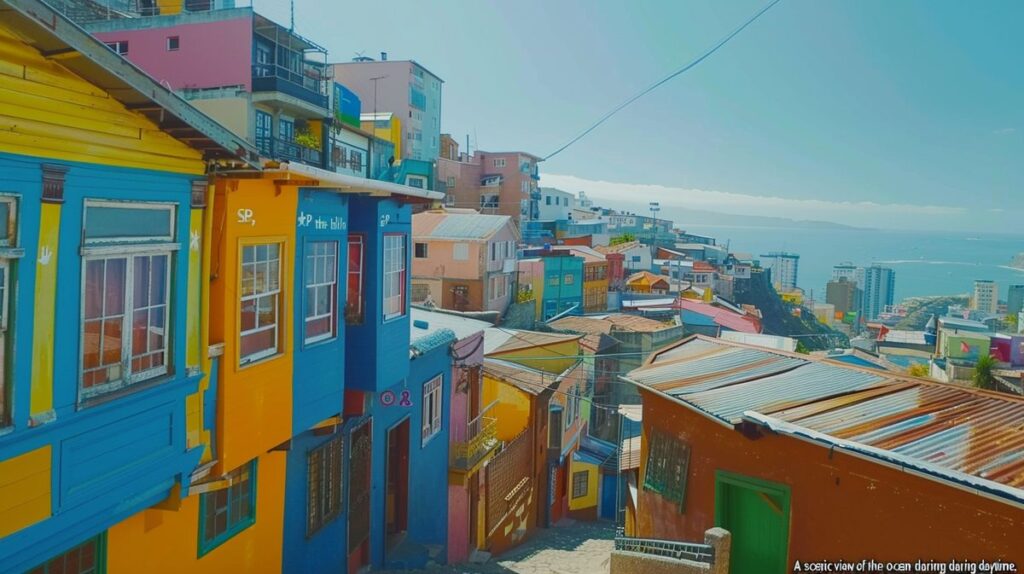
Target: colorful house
<point x="563" y="282"/>
<point x="797" y="456"/>
<point x="531" y="282"/>
<point x="647" y="282"/>
<point x="595" y="278"/>
<point x="463" y="260"/>
<point x="258" y="78"/>
<point x="106" y="417"/>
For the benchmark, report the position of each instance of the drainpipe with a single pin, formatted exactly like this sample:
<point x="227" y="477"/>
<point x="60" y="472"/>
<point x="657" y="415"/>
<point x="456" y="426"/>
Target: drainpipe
<point x="325" y="144"/>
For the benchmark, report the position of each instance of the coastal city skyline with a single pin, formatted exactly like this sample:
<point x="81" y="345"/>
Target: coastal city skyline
<point x="274" y="303"/>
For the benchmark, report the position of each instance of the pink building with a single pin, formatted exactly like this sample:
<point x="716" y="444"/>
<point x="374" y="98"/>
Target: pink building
<point x="254" y="76"/>
<point x="504" y="183"/>
<point x="463" y="260"/>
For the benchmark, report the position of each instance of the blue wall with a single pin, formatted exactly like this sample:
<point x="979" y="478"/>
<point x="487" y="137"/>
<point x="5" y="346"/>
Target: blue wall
<point x="319" y="368"/>
<point x="428" y="464"/>
<point x="379" y="350"/>
<point x="123" y="454"/>
<point x="559" y="296"/>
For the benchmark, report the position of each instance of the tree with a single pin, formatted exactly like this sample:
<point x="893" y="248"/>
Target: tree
<point x="918" y="370"/>
<point x="802" y="348"/>
<point x="983" y="378"/>
<point x="624" y="238"/>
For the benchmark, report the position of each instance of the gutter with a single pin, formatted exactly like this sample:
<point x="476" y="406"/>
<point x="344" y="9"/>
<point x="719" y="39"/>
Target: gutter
<point x="353" y="184"/>
<point x="957" y="479"/>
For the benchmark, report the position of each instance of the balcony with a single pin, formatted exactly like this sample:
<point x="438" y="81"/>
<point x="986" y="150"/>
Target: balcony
<point x="481" y="440"/>
<point x="284" y="150"/>
<point x="308" y="86"/>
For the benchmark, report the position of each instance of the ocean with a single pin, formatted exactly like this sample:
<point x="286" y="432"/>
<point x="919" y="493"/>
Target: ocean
<point x="926" y="262"/>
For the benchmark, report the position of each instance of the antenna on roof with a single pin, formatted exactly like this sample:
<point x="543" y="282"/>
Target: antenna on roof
<point x="292" y="29"/>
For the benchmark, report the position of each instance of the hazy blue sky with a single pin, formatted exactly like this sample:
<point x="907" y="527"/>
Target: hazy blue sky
<point x="872" y="102"/>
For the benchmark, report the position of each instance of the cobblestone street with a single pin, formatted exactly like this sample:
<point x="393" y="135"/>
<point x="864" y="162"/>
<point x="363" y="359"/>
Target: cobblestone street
<point x="577" y="548"/>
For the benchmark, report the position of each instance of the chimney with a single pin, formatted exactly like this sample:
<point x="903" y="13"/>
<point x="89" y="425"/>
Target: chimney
<point x="383" y="56"/>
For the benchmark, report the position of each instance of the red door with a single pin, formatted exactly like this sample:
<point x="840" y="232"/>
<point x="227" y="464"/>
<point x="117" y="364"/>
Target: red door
<point x="396" y="505"/>
<point x="360" y="453"/>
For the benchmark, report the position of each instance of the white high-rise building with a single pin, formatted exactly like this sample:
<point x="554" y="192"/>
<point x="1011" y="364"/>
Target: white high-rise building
<point x="986" y="296"/>
<point x="785" y="269"/>
<point x="846" y="271"/>
<point x="878" y="291"/>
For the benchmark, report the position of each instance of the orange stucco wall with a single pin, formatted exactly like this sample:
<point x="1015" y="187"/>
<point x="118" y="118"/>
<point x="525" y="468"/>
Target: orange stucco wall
<point x="254" y="402"/>
<point x="842" y="507"/>
<point x="168" y="540"/>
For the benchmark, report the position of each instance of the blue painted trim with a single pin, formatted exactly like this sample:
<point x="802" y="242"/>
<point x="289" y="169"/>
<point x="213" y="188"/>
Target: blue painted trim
<point x="207" y="547"/>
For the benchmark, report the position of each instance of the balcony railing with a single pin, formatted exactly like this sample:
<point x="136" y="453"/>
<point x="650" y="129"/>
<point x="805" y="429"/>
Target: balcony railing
<point x="481" y="438"/>
<point x="694" y="552"/>
<point x="280" y="149"/>
<point x="307" y="85"/>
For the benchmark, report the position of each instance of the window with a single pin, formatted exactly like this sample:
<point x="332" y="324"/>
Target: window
<point x="355" y="160"/>
<point x="571" y="403"/>
<point x="324" y="498"/>
<point x="568" y="279"/>
<point x="460" y="251"/>
<point x="8" y="221"/>
<point x="431" y="409"/>
<point x="580" y="483"/>
<point x="415" y="181"/>
<point x="321" y="282"/>
<point x="499" y="162"/>
<point x="172" y="43"/>
<point x="565" y="201"/>
<point x="339" y="155"/>
<point x="354" y="287"/>
<point x="547" y="200"/>
<point x="264" y="131"/>
<point x="226" y="512"/>
<point x="451" y="181"/>
<point x="87" y="558"/>
<point x="667" y="463"/>
<point x="394" y="275"/>
<point x="121" y="47"/>
<point x="421" y="251"/>
<point x="261" y="294"/>
<point x="286" y="129"/>
<point x="126" y="272"/>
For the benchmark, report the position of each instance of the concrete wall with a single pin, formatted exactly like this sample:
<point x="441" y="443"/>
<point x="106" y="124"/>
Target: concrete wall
<point x="232" y="113"/>
<point x="624" y="562"/>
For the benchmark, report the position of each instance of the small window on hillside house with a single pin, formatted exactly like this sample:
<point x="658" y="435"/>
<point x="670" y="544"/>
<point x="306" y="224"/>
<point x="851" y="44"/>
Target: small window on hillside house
<point x="668" y="461"/>
<point x="421" y="251"/>
<point x="580" y="483"/>
<point x="394" y="275"/>
<point x="321" y="283"/>
<point x="121" y="47"/>
<point x="172" y="43"/>
<point x="226" y="512"/>
<point x="87" y="558"/>
<point x="431" y="409"/>
<point x="260" y="302"/>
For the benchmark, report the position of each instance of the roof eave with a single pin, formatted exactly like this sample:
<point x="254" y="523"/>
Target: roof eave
<point x="54" y="35"/>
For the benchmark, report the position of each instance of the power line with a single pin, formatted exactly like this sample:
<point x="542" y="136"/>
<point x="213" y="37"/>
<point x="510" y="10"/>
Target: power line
<point x="657" y="84"/>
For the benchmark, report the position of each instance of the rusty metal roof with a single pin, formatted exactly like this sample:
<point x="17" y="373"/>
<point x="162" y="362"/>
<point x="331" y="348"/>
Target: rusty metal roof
<point x="526" y="379"/>
<point x="972" y="438"/>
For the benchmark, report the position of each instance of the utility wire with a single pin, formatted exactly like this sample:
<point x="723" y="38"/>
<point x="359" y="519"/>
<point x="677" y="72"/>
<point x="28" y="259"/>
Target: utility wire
<point x="657" y="84"/>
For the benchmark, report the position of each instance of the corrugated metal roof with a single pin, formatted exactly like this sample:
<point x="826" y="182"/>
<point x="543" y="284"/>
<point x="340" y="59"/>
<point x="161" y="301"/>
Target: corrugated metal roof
<point x="528" y="380"/>
<point x="462" y="326"/>
<point x="970" y="437"/>
<point x="808" y="382"/>
<point x="501" y="340"/>
<point x="465" y="226"/>
<point x="980" y="434"/>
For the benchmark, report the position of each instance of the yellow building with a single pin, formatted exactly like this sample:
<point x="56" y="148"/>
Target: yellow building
<point x="386" y="126"/>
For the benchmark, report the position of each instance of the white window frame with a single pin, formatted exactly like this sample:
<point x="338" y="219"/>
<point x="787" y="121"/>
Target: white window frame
<point x="127" y="248"/>
<point x="499" y="162"/>
<point x="389" y="275"/>
<point x="12" y="221"/>
<point x="329" y="282"/>
<point x="177" y="39"/>
<point x="432" y="404"/>
<point x="256" y="296"/>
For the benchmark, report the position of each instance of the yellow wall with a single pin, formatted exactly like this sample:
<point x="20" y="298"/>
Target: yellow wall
<point x="528" y="357"/>
<point x="232" y="113"/>
<point x="590" y="500"/>
<point x="46" y="111"/>
<point x="24" y="490"/>
<point x="168" y="540"/>
<point x="44" y="313"/>
<point x="254" y="402"/>
<point x="392" y="133"/>
<point x="512" y="410"/>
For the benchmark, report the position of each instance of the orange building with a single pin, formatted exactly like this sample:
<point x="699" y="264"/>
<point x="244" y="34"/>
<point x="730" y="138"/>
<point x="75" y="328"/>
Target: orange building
<point x="805" y="459"/>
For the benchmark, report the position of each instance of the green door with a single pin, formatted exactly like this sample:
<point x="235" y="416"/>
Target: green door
<point x="756" y="512"/>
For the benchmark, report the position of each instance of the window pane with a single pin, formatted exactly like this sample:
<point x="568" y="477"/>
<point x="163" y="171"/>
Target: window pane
<point x="5" y="213"/>
<point x="256" y="342"/>
<point x="108" y="222"/>
<point x="114" y="288"/>
<point x="158" y="281"/>
<point x="267" y="310"/>
<point x="141" y="291"/>
<point x="248" y="315"/>
<point x="274" y="276"/>
<point x="140" y="330"/>
<point x="93" y="289"/>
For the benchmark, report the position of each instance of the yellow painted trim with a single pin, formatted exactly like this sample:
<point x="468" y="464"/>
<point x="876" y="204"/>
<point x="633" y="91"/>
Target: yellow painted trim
<point x="44" y="314"/>
<point x="25" y="496"/>
<point x="195" y="260"/>
<point x="206" y="361"/>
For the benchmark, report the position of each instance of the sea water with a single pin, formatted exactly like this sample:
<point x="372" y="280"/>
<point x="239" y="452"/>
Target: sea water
<point x="926" y="262"/>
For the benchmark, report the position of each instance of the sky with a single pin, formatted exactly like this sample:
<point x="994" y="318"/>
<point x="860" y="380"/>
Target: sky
<point x="865" y="112"/>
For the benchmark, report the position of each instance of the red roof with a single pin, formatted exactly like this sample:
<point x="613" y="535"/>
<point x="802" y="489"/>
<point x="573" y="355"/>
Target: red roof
<point x="703" y="267"/>
<point x="722" y="316"/>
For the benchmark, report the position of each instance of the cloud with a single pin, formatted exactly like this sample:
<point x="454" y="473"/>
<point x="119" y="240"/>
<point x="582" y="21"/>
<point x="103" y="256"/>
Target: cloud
<point x="1004" y="131"/>
<point x="857" y="213"/>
